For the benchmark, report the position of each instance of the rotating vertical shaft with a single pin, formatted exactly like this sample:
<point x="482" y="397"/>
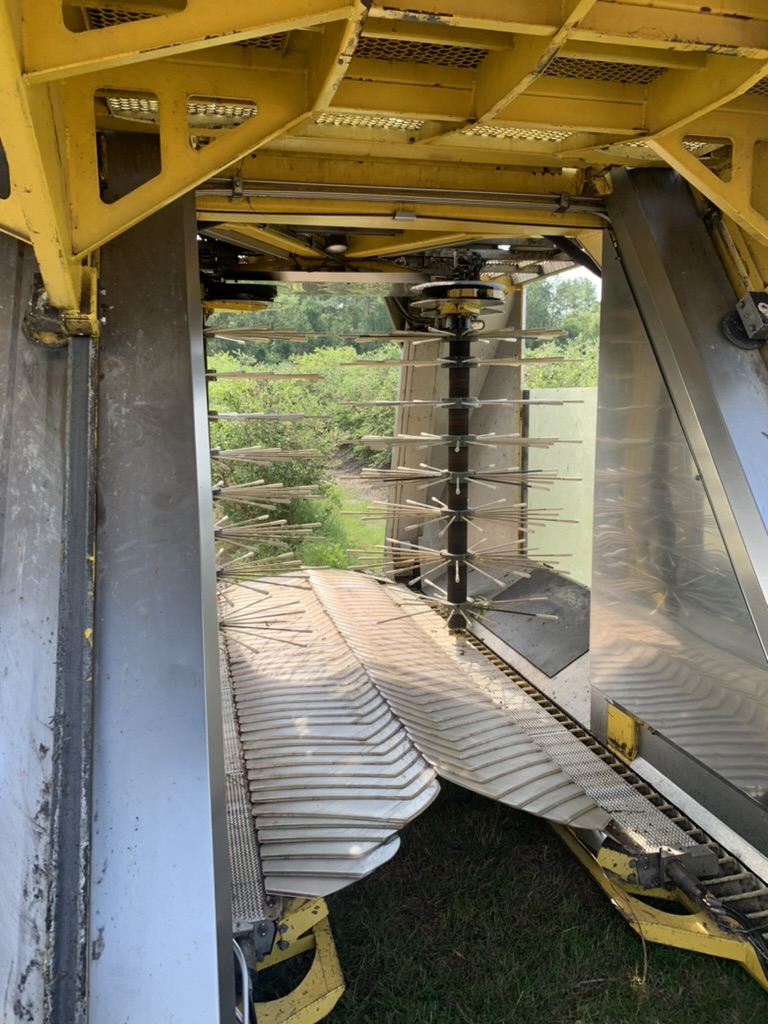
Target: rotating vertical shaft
<point x="458" y="465"/>
<point x="455" y="306"/>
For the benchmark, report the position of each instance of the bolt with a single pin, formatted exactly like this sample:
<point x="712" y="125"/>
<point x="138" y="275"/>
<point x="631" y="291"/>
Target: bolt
<point x="282" y="944"/>
<point x="283" y="929"/>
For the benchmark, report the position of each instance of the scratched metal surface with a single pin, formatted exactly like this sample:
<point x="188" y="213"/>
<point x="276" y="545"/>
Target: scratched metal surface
<point x="32" y="397"/>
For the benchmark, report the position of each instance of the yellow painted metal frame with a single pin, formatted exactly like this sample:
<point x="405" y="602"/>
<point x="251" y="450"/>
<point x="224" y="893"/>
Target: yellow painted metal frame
<point x="622" y="733"/>
<point x="506" y="116"/>
<point x="696" y="931"/>
<point x="304" y="927"/>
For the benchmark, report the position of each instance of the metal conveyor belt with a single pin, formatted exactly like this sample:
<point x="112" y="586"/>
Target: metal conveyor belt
<point x="351" y="697"/>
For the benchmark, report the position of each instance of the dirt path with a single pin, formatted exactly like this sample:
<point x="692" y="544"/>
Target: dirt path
<point x="346" y="471"/>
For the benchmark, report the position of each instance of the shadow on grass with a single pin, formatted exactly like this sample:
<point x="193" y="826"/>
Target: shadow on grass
<point x="484" y="918"/>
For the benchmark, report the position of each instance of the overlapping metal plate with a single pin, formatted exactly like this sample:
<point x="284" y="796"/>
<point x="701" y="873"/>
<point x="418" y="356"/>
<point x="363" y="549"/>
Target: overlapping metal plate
<point x="345" y="727"/>
<point x="457" y="726"/>
<point x="332" y="774"/>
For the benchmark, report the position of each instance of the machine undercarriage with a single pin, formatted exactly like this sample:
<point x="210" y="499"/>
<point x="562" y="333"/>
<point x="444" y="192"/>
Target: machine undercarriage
<point x="161" y="161"/>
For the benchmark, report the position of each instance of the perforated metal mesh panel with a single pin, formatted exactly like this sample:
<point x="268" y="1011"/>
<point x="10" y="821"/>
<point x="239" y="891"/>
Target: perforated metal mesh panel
<point x="274" y="42"/>
<point x="420" y="53"/>
<point x="603" y="71"/>
<point x="495" y="131"/>
<point x="759" y="88"/>
<point x="133" y="105"/>
<point x="202" y="112"/>
<point x="105" y="17"/>
<point x="248" y="897"/>
<point x="703" y="147"/>
<point x="211" y="109"/>
<point x="403" y="124"/>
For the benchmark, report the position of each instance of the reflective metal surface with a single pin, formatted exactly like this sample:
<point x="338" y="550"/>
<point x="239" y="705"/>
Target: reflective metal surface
<point x="673" y="640"/>
<point x="351" y="696"/>
<point x="161" y="923"/>
<point x="720" y="392"/>
<point x="32" y="400"/>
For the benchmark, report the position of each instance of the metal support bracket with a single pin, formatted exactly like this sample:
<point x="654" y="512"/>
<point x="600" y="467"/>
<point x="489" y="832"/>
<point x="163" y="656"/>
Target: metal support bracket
<point x="699" y="930"/>
<point x="647" y="871"/>
<point x="45" y="325"/>
<point x="303" y="928"/>
<point x="623" y="733"/>
<point x="86" y="320"/>
<point x="747" y="325"/>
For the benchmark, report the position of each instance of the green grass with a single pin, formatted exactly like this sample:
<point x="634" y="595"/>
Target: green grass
<point x="339" y="533"/>
<point x="359" y="533"/>
<point x="483" y="917"/>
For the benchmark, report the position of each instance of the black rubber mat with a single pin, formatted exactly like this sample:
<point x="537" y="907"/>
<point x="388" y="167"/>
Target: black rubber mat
<point x="549" y="645"/>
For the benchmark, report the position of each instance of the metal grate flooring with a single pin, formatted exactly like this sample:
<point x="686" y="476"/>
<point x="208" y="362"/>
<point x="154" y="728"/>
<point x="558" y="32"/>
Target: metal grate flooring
<point x="248" y="896"/>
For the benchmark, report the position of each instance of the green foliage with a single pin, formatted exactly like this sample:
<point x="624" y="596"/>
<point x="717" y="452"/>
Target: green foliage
<point x="331" y="315"/>
<point x="345" y="423"/>
<point x="570" y="305"/>
<point x="579" y="372"/>
<point x="338" y="385"/>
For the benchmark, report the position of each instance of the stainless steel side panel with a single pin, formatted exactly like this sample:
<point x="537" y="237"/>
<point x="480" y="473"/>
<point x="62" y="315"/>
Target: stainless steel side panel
<point x="32" y="399"/>
<point x="161" y="929"/>
<point x="678" y="602"/>
<point x="720" y="392"/>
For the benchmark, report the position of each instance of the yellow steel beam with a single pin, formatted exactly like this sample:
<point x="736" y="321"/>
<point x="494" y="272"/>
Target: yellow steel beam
<point x="286" y="161"/>
<point x="404" y="100"/>
<point x="271" y="239"/>
<point x="135" y="6"/>
<point x="504" y="75"/>
<point x="436" y="33"/>
<point x="281" y="101"/>
<point x="746" y="260"/>
<point x="680" y="97"/>
<point x="579" y="105"/>
<point x="12" y="220"/>
<point x="411" y="73"/>
<point x="52" y="51"/>
<point x="695" y="28"/>
<point x="329" y="61"/>
<point x="477" y="223"/>
<point x="685" y="60"/>
<point x="460" y="151"/>
<point x="362" y="247"/>
<point x="247" y="58"/>
<point x="31" y="140"/>
<point x="576" y="104"/>
<point x="744" y="197"/>
<point x="610" y="21"/>
<point x="593" y="243"/>
<point x="541" y="18"/>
